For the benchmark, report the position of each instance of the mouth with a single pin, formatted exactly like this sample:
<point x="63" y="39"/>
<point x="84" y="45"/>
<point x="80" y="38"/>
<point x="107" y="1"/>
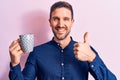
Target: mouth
<point x="60" y="29"/>
<point x="61" y="32"/>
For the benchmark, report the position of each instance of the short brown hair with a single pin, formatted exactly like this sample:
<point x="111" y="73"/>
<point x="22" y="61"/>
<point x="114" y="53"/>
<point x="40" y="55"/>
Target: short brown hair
<point x="59" y="5"/>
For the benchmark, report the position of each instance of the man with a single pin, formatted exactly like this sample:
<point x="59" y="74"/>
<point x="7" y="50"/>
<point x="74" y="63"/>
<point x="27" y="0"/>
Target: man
<point x="62" y="58"/>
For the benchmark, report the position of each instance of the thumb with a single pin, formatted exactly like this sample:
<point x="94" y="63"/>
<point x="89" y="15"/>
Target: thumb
<point x="86" y="37"/>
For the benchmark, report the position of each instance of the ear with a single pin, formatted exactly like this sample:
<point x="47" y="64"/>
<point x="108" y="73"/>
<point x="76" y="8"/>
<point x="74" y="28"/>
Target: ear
<point x="72" y="21"/>
<point x="49" y="22"/>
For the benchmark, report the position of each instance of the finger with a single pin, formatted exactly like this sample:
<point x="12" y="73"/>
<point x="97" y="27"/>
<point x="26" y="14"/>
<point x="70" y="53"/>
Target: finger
<point x="14" y="42"/>
<point x="20" y="52"/>
<point x="15" y="47"/>
<point x="75" y="53"/>
<point x="76" y="45"/>
<point x="86" y="37"/>
<point x="76" y="56"/>
<point x="75" y="48"/>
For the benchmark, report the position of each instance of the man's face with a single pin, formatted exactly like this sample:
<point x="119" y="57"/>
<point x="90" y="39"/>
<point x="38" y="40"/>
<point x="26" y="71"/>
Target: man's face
<point x="61" y="22"/>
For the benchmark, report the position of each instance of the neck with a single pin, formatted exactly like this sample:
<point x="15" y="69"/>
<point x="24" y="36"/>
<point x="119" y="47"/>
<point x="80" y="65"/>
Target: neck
<point x="63" y="43"/>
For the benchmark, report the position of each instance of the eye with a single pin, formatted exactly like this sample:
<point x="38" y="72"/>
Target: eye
<point x="55" y="18"/>
<point x="66" y="19"/>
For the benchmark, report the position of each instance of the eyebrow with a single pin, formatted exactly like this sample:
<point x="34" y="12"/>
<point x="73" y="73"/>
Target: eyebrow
<point x="55" y="17"/>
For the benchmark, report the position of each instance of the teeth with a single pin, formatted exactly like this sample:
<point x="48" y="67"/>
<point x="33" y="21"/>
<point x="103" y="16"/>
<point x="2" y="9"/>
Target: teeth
<point x="61" y="30"/>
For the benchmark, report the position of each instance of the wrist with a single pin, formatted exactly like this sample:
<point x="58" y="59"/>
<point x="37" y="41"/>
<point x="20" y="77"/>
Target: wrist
<point x="14" y="64"/>
<point x="91" y="57"/>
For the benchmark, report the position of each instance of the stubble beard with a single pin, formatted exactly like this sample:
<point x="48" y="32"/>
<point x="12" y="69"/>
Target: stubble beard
<point x="60" y="38"/>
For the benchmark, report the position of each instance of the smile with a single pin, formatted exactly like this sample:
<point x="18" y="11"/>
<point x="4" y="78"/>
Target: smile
<point x="60" y="29"/>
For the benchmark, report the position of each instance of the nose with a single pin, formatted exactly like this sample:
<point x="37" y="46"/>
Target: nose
<point x="61" y="23"/>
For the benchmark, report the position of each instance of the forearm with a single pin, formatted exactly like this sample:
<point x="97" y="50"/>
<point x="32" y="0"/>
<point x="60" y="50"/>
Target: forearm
<point x="99" y="70"/>
<point x="28" y="72"/>
<point x="15" y="73"/>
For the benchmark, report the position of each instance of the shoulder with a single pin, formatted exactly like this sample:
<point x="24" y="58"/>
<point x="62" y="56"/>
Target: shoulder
<point x="43" y="45"/>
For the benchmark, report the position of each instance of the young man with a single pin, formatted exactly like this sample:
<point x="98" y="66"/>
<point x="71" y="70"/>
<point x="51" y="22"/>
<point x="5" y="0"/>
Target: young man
<point x="62" y="58"/>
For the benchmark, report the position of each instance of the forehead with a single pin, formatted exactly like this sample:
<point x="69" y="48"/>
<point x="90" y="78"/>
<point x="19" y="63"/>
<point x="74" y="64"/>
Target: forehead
<point x="61" y="12"/>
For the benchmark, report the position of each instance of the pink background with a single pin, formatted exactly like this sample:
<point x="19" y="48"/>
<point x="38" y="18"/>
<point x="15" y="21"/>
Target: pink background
<point x="101" y="18"/>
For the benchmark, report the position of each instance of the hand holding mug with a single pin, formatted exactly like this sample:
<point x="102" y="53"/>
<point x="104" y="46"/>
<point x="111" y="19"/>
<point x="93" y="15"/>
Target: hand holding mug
<point x="15" y="51"/>
<point x="24" y="44"/>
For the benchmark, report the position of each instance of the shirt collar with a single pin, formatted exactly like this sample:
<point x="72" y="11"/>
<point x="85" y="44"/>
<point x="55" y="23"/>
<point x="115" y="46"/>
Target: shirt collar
<point x="71" y="43"/>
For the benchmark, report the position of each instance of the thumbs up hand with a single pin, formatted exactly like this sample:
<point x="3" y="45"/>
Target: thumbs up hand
<point x="83" y="51"/>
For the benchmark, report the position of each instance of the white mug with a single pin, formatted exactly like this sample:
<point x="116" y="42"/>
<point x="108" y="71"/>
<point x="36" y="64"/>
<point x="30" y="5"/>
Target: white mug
<point x="27" y="42"/>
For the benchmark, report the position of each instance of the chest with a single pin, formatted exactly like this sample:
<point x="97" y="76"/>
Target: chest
<point x="57" y="63"/>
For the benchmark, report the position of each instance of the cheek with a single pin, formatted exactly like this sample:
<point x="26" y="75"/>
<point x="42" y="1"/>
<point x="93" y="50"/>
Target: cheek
<point x="53" y="24"/>
<point x="69" y="24"/>
<point x="69" y="27"/>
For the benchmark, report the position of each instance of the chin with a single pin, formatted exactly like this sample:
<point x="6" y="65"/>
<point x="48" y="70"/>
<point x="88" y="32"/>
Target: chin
<point x="61" y="38"/>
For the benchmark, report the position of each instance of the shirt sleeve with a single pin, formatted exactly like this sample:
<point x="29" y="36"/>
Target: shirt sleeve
<point x="28" y="73"/>
<point x="15" y="73"/>
<point x="99" y="70"/>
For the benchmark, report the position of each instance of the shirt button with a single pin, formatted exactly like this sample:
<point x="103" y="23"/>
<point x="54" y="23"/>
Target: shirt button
<point x="61" y="50"/>
<point x="63" y="78"/>
<point x="92" y="66"/>
<point x="62" y="64"/>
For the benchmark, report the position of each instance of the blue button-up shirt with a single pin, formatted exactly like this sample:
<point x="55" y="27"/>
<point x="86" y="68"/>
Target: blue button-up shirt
<point x="50" y="62"/>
